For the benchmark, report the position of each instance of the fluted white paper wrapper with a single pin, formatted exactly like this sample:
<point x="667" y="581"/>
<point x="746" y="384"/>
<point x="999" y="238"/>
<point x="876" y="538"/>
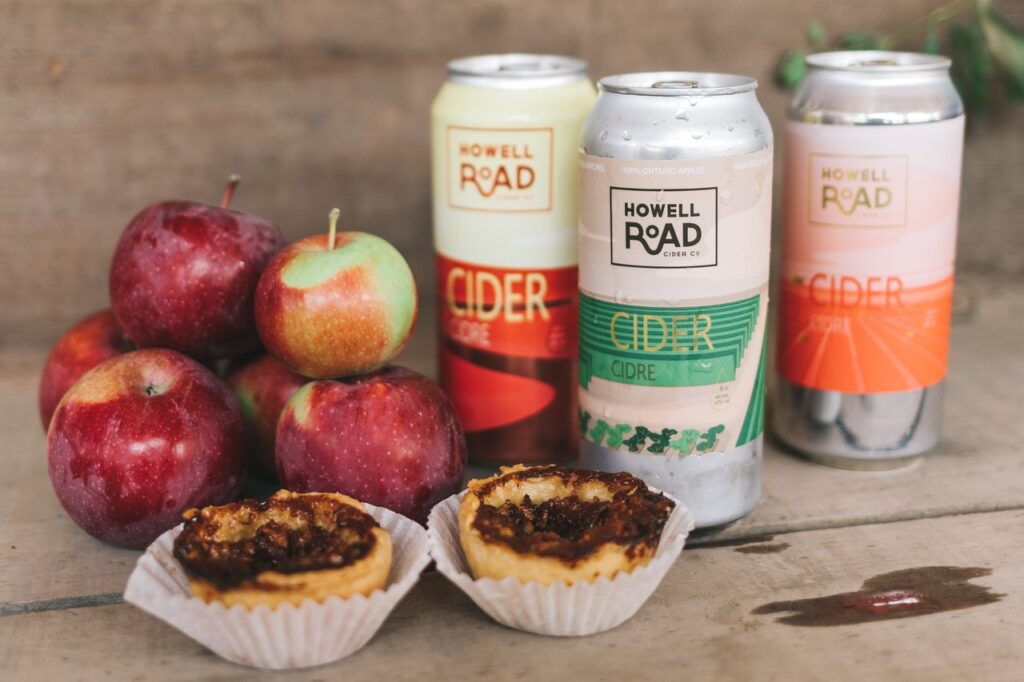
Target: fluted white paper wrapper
<point x="584" y="608"/>
<point x="288" y="636"/>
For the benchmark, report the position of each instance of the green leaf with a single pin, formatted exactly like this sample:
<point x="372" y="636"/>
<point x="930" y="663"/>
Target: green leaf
<point x="791" y="69"/>
<point x="972" y="64"/>
<point x="931" y="38"/>
<point x="1006" y="45"/>
<point x="815" y="34"/>
<point x="857" y="40"/>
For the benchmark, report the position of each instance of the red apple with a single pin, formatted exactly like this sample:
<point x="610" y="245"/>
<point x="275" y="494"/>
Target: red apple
<point x="263" y="386"/>
<point x="391" y="439"/>
<point x="336" y="304"/>
<point x="184" y="275"/>
<point x="141" y="438"/>
<point x="88" y="343"/>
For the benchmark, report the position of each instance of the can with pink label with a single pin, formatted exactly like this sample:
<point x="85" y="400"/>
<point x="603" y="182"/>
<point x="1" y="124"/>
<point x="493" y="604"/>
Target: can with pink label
<point x="872" y="185"/>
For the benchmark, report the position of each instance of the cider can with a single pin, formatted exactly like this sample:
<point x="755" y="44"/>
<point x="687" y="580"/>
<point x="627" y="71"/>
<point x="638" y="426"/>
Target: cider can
<point x="874" y="142"/>
<point x="675" y="232"/>
<point x="505" y="134"/>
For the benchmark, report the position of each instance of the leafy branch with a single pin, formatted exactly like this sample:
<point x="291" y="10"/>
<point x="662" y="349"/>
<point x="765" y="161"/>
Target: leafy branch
<point x="987" y="51"/>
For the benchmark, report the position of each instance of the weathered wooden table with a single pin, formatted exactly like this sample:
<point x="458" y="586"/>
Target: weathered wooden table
<point x="818" y="536"/>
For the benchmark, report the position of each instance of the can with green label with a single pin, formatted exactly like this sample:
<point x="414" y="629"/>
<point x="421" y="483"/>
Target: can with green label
<point x="675" y="223"/>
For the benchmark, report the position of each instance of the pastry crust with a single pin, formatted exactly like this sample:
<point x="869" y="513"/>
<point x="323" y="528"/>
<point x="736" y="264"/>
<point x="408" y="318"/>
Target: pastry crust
<point x="594" y="524"/>
<point x="321" y="545"/>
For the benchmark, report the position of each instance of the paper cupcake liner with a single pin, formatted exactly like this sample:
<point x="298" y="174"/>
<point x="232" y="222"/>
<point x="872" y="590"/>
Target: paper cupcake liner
<point x="584" y="608"/>
<point x="311" y="634"/>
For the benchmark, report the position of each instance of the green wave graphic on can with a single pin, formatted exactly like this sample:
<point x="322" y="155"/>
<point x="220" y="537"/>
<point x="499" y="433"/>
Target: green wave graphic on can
<point x="753" y="421"/>
<point x="664" y="346"/>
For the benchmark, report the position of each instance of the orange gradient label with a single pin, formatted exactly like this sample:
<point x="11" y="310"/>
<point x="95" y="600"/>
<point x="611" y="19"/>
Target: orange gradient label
<point x="867" y="271"/>
<point x="843" y="334"/>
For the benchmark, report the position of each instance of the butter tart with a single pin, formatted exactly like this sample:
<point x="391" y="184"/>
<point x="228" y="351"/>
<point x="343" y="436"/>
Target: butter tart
<point x="555" y="524"/>
<point x="291" y="547"/>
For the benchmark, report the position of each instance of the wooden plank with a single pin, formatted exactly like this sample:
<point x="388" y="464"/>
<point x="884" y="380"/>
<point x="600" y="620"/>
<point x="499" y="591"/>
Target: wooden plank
<point x="111" y="105"/>
<point x="699" y="624"/>
<point x="978" y="466"/>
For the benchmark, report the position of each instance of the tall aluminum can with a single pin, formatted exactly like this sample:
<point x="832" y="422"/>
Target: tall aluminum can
<point x="873" y="150"/>
<point x="505" y="134"/>
<point x="675" y="223"/>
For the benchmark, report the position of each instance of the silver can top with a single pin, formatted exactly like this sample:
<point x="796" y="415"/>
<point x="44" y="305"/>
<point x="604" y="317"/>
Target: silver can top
<point x="878" y="61"/>
<point x="677" y="84"/>
<point x="676" y="116"/>
<point x="875" y="87"/>
<point x="516" y="71"/>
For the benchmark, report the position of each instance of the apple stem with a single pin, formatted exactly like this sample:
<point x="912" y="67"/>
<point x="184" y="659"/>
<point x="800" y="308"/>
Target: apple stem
<point x="229" y="191"/>
<point x="332" y="234"/>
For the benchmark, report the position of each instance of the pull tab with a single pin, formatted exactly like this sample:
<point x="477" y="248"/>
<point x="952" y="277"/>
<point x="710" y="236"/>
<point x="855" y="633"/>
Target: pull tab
<point x="525" y="65"/>
<point x="875" y="62"/>
<point x="675" y="85"/>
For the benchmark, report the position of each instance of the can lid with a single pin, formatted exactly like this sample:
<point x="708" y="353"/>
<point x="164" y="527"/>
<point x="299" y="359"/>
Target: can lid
<point x="677" y="84"/>
<point x="878" y="61"/>
<point x="516" y="71"/>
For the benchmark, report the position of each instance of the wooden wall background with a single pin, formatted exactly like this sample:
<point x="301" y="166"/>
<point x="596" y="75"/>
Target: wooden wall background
<point x="106" y="106"/>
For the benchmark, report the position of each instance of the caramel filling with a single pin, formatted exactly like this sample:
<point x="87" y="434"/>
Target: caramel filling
<point x="571" y="528"/>
<point x="231" y="546"/>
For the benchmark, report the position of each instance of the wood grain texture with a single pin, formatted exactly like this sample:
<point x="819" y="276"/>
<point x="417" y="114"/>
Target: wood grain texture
<point x="109" y="105"/>
<point x="697" y="625"/>
<point x="977" y="467"/>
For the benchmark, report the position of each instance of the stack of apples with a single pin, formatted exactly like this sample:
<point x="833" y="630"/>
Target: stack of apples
<point x="226" y="349"/>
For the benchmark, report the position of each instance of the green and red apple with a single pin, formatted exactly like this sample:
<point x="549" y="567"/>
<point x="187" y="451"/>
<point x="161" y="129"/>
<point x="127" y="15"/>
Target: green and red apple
<point x="337" y="304"/>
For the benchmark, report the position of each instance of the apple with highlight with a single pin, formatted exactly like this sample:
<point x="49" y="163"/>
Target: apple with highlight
<point x="337" y="304"/>
<point x="139" y="439"/>
<point x="184" y="274"/>
<point x="390" y="438"/>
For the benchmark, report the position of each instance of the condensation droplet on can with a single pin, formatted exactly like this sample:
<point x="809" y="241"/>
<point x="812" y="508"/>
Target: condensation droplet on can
<point x="620" y="296"/>
<point x="603" y="135"/>
<point x="725" y="196"/>
<point x="697" y="135"/>
<point x="626" y="135"/>
<point x="660" y="196"/>
<point x="693" y="100"/>
<point x="682" y="115"/>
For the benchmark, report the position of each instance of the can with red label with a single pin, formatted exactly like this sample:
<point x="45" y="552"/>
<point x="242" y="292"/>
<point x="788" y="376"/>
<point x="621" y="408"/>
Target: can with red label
<point x="505" y="136"/>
